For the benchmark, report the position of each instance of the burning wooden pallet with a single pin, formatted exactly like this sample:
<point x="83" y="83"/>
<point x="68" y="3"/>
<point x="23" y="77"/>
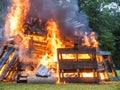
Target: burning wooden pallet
<point x="78" y="64"/>
<point x="106" y="66"/>
<point x="72" y="70"/>
<point x="37" y="47"/>
<point x="8" y="63"/>
<point x="74" y="67"/>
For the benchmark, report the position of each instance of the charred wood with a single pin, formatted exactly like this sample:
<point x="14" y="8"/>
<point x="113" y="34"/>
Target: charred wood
<point x="21" y="79"/>
<point x="33" y="27"/>
<point x="8" y="66"/>
<point x="5" y="56"/>
<point x="2" y="50"/>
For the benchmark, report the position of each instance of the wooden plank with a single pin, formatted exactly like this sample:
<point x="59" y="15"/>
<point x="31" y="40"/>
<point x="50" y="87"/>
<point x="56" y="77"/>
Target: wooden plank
<point x="38" y="52"/>
<point x="68" y="70"/>
<point x="80" y="79"/>
<point x="6" y="56"/>
<point x="104" y="53"/>
<point x="15" y="57"/>
<point x="38" y="42"/>
<point x="12" y="70"/>
<point x="17" y="39"/>
<point x="75" y="60"/>
<point x="81" y="50"/>
<point x="39" y="47"/>
<point x="77" y="65"/>
<point x="2" y="49"/>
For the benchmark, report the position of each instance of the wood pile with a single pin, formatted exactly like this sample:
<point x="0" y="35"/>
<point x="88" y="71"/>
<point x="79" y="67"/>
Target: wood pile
<point x="8" y="63"/>
<point x="71" y="69"/>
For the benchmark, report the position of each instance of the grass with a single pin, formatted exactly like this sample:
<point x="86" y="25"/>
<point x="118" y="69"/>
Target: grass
<point x="118" y="72"/>
<point x="72" y="86"/>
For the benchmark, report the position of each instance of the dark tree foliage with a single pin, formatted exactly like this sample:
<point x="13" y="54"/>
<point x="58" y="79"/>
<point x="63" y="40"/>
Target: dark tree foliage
<point x="106" y="22"/>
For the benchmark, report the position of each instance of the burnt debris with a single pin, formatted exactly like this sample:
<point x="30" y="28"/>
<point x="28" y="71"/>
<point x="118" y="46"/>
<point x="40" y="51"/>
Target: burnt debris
<point x="34" y="26"/>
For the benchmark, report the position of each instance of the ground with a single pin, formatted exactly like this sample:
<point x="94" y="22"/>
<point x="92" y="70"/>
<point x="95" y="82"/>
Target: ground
<point x="73" y="86"/>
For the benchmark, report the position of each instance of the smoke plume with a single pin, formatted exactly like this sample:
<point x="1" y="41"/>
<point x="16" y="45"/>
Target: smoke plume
<point x="65" y="12"/>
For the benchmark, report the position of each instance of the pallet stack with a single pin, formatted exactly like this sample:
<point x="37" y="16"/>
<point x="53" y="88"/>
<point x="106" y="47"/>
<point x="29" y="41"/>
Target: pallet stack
<point x="74" y="69"/>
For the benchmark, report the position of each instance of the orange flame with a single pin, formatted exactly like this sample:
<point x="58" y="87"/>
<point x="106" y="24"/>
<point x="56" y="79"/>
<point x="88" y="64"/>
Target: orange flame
<point x="90" y="40"/>
<point x="53" y="42"/>
<point x="15" y="21"/>
<point x="16" y="17"/>
<point x="88" y="74"/>
<point x="102" y="76"/>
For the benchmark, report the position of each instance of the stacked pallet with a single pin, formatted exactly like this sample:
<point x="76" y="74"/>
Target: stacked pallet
<point x="77" y="65"/>
<point x="8" y="63"/>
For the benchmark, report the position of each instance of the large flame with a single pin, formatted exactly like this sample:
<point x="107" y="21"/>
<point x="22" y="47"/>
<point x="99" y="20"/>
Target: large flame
<point x="53" y="42"/>
<point x="16" y="17"/>
<point x="15" y="22"/>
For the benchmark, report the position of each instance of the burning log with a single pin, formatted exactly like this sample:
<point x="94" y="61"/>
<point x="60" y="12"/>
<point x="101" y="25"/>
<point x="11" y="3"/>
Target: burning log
<point x="47" y="80"/>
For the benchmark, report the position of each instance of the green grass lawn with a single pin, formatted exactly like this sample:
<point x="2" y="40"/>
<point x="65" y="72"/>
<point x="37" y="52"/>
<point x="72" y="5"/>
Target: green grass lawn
<point x="78" y="86"/>
<point x="70" y="86"/>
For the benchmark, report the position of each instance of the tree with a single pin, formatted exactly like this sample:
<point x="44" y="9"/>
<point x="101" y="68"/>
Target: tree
<point x="104" y="21"/>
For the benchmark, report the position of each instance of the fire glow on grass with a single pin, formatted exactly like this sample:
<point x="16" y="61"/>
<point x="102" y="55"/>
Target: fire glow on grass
<point x="15" y="21"/>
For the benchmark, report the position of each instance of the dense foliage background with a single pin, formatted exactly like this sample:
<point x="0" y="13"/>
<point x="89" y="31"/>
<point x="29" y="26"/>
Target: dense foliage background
<point x="104" y="21"/>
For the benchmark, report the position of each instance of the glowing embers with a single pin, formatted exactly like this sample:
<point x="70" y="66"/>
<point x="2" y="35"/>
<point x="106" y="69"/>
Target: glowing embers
<point x="77" y="64"/>
<point x="69" y="56"/>
<point x="102" y="76"/>
<point x="28" y="71"/>
<point x="87" y="74"/>
<point x="81" y="74"/>
<point x="84" y="56"/>
<point x="76" y="56"/>
<point x="71" y="74"/>
<point x="1" y="71"/>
